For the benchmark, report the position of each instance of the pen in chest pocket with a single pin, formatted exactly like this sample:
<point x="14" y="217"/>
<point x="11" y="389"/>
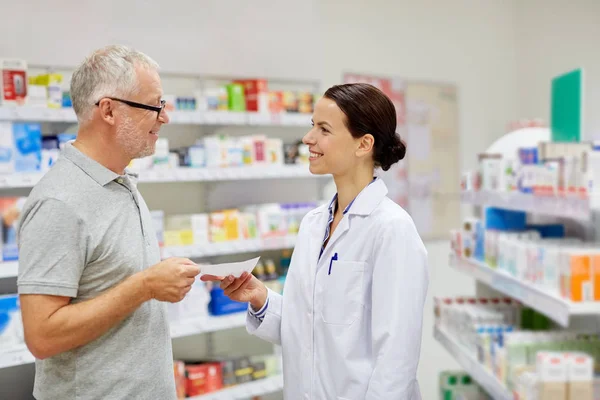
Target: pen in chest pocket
<point x="334" y="258"/>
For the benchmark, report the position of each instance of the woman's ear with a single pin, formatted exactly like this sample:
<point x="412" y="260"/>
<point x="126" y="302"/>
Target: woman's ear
<point x="365" y="145"/>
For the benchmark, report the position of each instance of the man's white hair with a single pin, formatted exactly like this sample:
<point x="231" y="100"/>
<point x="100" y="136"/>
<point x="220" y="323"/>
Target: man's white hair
<point x="109" y="71"/>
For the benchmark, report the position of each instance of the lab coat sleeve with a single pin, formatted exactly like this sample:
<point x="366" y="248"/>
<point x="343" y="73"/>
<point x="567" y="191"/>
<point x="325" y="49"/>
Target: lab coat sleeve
<point x="399" y="288"/>
<point x="270" y="327"/>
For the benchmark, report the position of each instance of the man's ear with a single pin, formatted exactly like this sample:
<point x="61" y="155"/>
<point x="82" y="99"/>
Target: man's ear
<point x="105" y="107"/>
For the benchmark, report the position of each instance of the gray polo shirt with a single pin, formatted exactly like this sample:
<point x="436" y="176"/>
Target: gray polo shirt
<point x="83" y="230"/>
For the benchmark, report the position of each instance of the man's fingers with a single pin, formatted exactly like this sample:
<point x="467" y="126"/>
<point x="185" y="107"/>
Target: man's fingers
<point x="211" y="278"/>
<point x="191" y="271"/>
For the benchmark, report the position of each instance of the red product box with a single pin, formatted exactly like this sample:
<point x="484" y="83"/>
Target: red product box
<point x="203" y="378"/>
<point x="13" y="82"/>
<point x="257" y="94"/>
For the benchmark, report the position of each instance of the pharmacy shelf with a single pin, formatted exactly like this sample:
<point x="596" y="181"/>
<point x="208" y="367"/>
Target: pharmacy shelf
<point x="571" y="206"/>
<point x="549" y="304"/>
<point x="231" y="247"/>
<point x="15" y="357"/>
<point x="67" y="115"/>
<point x="207" y="324"/>
<point x="476" y="370"/>
<point x="166" y="175"/>
<point x="20" y="180"/>
<point x="272" y="171"/>
<point x="248" y="390"/>
<point x="9" y="269"/>
<point x="189" y="327"/>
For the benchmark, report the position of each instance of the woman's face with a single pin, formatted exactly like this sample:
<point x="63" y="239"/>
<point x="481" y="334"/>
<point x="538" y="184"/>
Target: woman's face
<point x="333" y="149"/>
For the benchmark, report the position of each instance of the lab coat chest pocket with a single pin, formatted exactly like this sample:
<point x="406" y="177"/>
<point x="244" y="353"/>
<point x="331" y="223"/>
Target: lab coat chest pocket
<point x="342" y="297"/>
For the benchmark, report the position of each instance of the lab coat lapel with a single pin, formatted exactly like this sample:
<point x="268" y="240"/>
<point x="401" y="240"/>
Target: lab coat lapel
<point x="342" y="227"/>
<point x="317" y="234"/>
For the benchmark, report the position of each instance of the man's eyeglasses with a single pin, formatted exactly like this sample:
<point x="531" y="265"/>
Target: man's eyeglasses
<point x="159" y="110"/>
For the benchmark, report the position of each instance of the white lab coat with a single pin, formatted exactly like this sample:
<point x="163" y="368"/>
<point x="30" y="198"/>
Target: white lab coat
<point x="355" y="332"/>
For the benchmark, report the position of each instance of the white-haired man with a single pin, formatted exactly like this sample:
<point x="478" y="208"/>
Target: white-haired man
<point x="91" y="284"/>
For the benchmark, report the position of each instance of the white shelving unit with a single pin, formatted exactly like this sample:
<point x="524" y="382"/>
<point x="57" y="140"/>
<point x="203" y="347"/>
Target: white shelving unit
<point x="15" y="357"/>
<point x="475" y="369"/>
<point x="227" y="248"/>
<point x="188" y="327"/>
<point x="187" y="175"/>
<point x="571" y="206"/>
<point x="67" y="115"/>
<point x="235" y="185"/>
<point x="9" y="269"/>
<point x="226" y="174"/>
<point x="207" y="324"/>
<point x="247" y="390"/>
<point x="549" y="304"/>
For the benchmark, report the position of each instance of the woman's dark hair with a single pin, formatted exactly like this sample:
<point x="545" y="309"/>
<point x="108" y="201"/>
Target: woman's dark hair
<point x="369" y="110"/>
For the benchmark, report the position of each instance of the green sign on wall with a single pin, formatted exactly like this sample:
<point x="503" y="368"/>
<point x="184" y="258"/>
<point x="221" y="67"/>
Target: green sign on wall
<point x="566" y="117"/>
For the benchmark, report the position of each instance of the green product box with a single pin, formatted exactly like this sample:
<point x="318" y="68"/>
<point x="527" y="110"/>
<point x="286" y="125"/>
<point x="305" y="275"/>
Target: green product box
<point x="236" y="97"/>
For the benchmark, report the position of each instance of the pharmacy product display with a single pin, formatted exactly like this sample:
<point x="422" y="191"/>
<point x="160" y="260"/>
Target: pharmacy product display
<point x="519" y="347"/>
<point x="533" y="239"/>
<point x="248" y="229"/>
<point x="23" y="150"/>
<point x="205" y="300"/>
<point x="548" y="169"/>
<point x="35" y="104"/>
<point x="20" y="87"/>
<point x="458" y="385"/>
<point x="223" y="152"/>
<point x="196" y="378"/>
<point x="247" y="223"/>
<point x="538" y="254"/>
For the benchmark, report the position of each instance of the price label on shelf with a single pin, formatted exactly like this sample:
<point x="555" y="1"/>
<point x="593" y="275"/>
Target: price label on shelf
<point x="196" y="118"/>
<point x="276" y="119"/>
<point x="15" y="358"/>
<point x="4" y="181"/>
<point x="508" y="287"/>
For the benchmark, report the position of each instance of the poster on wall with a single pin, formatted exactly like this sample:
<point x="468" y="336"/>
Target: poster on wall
<point x="396" y="178"/>
<point x="426" y="182"/>
<point x="433" y="148"/>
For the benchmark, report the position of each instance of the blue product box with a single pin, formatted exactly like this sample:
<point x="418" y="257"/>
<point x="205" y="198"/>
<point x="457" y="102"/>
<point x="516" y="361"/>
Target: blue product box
<point x="10" y="212"/>
<point x="549" y="231"/>
<point x="64" y="138"/>
<point x="221" y="305"/>
<point x="11" y="328"/>
<point x="479" y="252"/>
<point x="28" y="147"/>
<point x="505" y="220"/>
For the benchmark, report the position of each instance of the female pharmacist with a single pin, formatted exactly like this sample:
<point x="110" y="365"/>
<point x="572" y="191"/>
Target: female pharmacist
<point x="350" y="319"/>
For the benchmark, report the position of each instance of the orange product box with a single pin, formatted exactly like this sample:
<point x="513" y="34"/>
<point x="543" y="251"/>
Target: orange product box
<point x="578" y="278"/>
<point x="276" y="102"/>
<point x="179" y="369"/>
<point x="203" y="378"/>
<point x="257" y="94"/>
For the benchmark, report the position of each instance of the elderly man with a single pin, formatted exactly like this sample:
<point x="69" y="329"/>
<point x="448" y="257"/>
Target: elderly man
<point x="91" y="284"/>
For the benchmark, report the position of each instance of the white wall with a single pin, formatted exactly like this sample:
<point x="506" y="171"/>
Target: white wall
<point x="469" y="43"/>
<point x="554" y="37"/>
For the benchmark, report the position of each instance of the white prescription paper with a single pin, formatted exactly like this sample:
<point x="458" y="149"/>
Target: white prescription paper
<point x="236" y="268"/>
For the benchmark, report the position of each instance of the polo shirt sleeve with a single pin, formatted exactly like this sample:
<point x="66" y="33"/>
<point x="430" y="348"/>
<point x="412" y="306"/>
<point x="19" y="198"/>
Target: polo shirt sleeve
<point x="52" y="249"/>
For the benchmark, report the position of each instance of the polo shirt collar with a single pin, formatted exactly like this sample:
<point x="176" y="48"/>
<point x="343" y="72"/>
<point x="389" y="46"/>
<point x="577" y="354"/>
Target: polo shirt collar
<point x="92" y="168"/>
